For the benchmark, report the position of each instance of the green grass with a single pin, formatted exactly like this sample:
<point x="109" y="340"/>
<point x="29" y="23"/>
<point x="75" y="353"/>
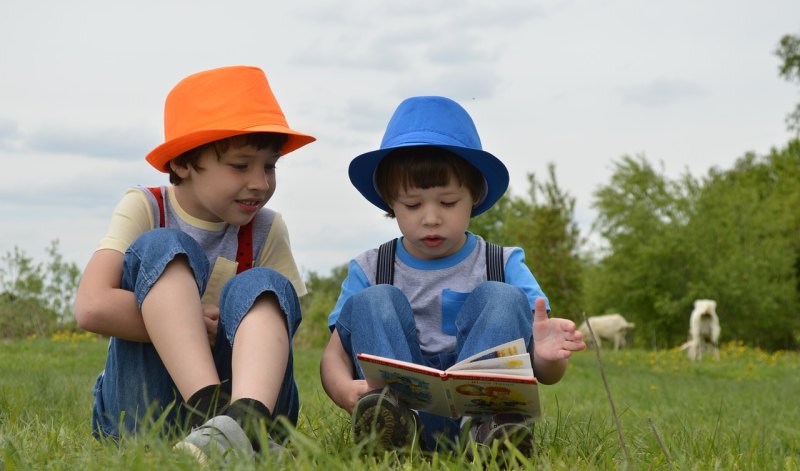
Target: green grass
<point x="741" y="412"/>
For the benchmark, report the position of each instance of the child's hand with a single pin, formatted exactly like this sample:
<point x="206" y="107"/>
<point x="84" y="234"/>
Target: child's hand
<point x="211" y="318"/>
<point x="554" y="338"/>
<point x="351" y="393"/>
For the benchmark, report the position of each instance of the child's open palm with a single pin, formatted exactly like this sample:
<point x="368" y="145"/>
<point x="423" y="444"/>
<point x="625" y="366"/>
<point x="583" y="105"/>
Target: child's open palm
<point x="554" y="338"/>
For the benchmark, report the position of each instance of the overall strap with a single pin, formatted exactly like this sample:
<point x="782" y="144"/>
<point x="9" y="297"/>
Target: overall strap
<point x="156" y="191"/>
<point x="244" y="252"/>
<point x="495" y="271"/>
<point x="385" y="272"/>
<point x="244" y="249"/>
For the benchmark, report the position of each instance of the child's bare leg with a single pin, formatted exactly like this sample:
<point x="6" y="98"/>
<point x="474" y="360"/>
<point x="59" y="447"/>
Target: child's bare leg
<point x="172" y="313"/>
<point x="260" y="353"/>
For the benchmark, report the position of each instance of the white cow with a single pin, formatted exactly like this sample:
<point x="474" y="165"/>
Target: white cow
<point x="703" y="330"/>
<point x="611" y="327"/>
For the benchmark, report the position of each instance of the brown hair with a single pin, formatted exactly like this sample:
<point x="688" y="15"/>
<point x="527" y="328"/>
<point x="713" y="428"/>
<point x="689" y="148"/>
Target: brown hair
<point x="424" y="167"/>
<point x="259" y="140"/>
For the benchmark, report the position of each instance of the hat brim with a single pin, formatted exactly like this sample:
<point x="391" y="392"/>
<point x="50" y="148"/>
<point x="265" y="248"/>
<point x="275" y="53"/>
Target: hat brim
<point x="362" y="173"/>
<point x="161" y="155"/>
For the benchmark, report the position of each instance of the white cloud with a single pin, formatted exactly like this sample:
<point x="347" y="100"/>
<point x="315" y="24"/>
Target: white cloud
<point x="662" y="92"/>
<point x="118" y="144"/>
<point x="9" y="134"/>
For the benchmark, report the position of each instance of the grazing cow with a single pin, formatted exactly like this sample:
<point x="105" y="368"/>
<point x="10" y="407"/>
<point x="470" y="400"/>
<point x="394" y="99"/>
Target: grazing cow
<point x="611" y="327"/>
<point x="703" y="330"/>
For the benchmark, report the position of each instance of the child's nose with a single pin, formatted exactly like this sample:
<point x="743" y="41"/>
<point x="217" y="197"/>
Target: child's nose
<point x="431" y="217"/>
<point x="259" y="180"/>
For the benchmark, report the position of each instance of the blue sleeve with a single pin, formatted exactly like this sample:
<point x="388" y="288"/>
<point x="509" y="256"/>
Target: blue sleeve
<point x="518" y="274"/>
<point x="355" y="282"/>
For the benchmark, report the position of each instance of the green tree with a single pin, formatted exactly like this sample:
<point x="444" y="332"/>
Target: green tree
<point x="746" y="247"/>
<point x="732" y="237"/>
<point x="543" y="226"/>
<point x="644" y="273"/>
<point x="554" y="243"/>
<point x="317" y="304"/>
<point x="20" y="276"/>
<point x="37" y="296"/>
<point x="491" y="225"/>
<point x="60" y="282"/>
<point x="789" y="52"/>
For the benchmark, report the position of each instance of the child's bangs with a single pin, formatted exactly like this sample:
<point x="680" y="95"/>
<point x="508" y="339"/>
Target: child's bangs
<point x="259" y="140"/>
<point x="424" y="167"/>
<point x="427" y="173"/>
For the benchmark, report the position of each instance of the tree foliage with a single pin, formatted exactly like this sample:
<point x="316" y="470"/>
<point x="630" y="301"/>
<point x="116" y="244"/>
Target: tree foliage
<point x="732" y="238"/>
<point x="643" y="277"/>
<point x="788" y="51"/>
<point x="320" y="301"/>
<point x="747" y="246"/>
<point x="37" y="297"/>
<point x="543" y="226"/>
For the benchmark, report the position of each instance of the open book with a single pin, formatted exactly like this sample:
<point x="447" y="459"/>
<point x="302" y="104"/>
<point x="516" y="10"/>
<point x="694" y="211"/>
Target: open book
<point x="499" y="379"/>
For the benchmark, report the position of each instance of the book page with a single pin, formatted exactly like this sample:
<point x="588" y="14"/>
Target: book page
<point x="501" y="372"/>
<point x="520" y="363"/>
<point x="476" y="395"/>
<point x="406" y="365"/>
<point x="515" y="347"/>
<point x="419" y="387"/>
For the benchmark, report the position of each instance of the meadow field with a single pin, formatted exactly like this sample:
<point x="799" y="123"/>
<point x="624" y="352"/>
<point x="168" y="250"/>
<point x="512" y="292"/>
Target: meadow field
<point x="741" y="412"/>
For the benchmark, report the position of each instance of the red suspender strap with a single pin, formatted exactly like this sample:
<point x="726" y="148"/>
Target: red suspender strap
<point x="156" y="191"/>
<point x="244" y="253"/>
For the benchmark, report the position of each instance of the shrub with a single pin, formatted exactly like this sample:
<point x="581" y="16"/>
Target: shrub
<point x="36" y="298"/>
<point x="21" y="317"/>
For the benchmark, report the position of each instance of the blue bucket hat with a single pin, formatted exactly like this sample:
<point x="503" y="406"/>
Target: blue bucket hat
<point x="432" y="121"/>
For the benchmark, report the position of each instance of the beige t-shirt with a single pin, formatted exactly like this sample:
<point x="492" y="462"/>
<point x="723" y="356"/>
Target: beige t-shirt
<point x="134" y="215"/>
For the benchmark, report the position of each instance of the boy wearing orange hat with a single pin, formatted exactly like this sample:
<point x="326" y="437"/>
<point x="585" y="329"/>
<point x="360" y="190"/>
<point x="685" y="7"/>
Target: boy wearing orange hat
<point x="195" y="282"/>
<point x="438" y="294"/>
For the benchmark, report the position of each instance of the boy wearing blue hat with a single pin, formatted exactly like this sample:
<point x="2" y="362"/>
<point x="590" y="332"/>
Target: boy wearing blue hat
<point x="432" y="297"/>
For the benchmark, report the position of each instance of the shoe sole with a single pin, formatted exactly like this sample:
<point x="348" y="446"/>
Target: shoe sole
<point x="379" y="414"/>
<point x="518" y="435"/>
<point x="193" y="450"/>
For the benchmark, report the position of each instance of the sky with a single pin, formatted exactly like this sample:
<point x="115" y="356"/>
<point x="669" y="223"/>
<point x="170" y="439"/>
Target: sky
<point x="688" y="84"/>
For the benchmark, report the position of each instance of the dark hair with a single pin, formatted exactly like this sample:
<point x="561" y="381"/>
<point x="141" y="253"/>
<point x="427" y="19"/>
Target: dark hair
<point x="424" y="167"/>
<point x="259" y="140"/>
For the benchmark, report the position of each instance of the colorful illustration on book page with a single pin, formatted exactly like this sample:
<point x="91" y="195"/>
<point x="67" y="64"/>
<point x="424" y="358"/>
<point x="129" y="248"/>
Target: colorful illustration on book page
<point x="491" y="398"/>
<point x="412" y="389"/>
<point x="508" y="351"/>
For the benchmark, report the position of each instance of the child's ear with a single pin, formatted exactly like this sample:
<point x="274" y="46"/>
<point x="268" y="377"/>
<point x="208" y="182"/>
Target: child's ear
<point x="180" y="170"/>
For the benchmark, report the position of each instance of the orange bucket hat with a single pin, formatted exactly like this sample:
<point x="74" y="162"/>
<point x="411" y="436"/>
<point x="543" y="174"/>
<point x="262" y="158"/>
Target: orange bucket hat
<point x="219" y="103"/>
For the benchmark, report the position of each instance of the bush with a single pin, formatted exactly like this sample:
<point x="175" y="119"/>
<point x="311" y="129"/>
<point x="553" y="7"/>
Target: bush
<point x="36" y="298"/>
<point x="21" y="318"/>
<point x="316" y="305"/>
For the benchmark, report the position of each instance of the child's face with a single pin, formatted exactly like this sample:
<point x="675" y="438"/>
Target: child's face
<point x="232" y="188"/>
<point x="434" y="220"/>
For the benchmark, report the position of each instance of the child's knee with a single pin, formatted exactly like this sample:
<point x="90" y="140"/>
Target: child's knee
<point x="166" y="239"/>
<point x="495" y="305"/>
<point x="379" y="304"/>
<point x="259" y="285"/>
<point x="148" y="257"/>
<point x="259" y="280"/>
<point x="495" y="290"/>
